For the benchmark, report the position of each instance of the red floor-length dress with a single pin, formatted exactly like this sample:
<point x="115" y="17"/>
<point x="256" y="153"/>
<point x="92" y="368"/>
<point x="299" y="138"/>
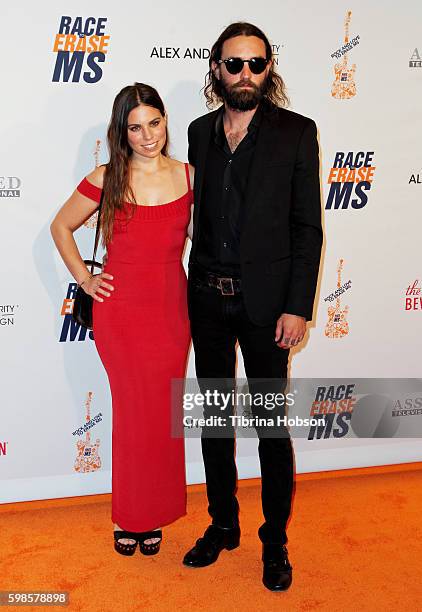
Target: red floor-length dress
<point x="142" y="335"/>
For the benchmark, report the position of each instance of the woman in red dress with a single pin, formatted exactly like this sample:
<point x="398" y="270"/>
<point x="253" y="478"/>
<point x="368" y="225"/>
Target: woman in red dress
<point x="140" y="319"/>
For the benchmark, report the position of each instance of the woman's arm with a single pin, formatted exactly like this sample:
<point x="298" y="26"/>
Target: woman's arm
<point x="190" y="226"/>
<point x="77" y="209"/>
<point x="192" y="180"/>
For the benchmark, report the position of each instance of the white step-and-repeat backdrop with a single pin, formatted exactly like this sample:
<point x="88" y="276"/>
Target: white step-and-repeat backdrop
<point x="57" y="93"/>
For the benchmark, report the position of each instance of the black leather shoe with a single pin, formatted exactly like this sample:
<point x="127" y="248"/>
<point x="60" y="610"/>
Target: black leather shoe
<point x="207" y="548"/>
<point x="277" y="574"/>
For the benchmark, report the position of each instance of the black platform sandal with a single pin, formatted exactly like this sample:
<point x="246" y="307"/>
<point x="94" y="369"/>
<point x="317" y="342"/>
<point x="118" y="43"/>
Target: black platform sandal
<point x="125" y="549"/>
<point x="150" y="549"/>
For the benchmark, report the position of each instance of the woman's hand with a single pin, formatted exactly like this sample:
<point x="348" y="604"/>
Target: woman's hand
<point x="95" y="285"/>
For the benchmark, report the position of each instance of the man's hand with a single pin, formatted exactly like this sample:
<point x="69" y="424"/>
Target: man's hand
<point x="290" y="330"/>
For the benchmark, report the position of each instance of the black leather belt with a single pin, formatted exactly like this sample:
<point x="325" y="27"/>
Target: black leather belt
<point x="226" y="285"/>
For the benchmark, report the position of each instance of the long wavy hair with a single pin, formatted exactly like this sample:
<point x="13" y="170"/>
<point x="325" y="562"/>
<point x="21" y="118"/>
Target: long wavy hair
<point x="116" y="187"/>
<point x="275" y="89"/>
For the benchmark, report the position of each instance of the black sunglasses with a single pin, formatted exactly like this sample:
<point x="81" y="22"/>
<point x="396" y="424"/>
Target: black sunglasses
<point x="234" y="65"/>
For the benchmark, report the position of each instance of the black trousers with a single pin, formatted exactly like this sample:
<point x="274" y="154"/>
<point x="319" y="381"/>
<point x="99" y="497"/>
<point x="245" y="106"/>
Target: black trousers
<point x="217" y="323"/>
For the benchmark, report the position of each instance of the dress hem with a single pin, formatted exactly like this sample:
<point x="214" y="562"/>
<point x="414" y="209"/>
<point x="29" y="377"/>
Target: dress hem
<point x="128" y="526"/>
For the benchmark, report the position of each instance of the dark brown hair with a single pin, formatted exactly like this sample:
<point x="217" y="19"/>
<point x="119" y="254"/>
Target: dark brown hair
<point x="116" y="187"/>
<point x="275" y="89"/>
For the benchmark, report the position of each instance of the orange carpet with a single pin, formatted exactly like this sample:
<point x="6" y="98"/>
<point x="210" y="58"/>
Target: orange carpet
<point x="355" y="542"/>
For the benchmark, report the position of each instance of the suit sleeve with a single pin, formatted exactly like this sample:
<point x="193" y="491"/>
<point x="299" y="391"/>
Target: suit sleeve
<point x="191" y="146"/>
<point x="305" y="226"/>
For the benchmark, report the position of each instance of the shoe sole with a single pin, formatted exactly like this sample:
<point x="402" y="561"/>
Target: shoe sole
<point x="277" y="589"/>
<point x="148" y="553"/>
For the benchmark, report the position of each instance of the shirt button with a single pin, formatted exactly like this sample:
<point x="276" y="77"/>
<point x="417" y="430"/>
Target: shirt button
<point x="223" y="217"/>
<point x="225" y="244"/>
<point x="230" y="161"/>
<point x="227" y="188"/>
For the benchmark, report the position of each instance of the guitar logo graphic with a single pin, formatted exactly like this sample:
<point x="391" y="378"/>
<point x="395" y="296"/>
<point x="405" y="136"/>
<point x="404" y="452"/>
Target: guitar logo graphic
<point x="344" y="85"/>
<point x="92" y="221"/>
<point x="88" y="459"/>
<point x="337" y="325"/>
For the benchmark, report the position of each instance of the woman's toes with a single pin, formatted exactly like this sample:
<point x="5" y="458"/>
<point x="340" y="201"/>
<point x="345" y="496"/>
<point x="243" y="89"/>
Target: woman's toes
<point x="152" y="541"/>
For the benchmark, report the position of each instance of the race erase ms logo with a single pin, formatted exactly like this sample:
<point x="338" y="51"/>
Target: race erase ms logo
<point x="81" y="45"/>
<point x="335" y="403"/>
<point x="350" y="178"/>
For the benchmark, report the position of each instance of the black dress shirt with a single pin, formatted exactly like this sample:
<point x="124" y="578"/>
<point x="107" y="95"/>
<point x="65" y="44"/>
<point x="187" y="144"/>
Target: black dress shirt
<point x="222" y="205"/>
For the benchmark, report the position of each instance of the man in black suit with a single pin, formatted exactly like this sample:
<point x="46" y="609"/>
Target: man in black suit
<point x="253" y="271"/>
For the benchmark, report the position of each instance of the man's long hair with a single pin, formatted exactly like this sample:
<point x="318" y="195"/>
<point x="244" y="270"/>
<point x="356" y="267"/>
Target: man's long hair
<point x="117" y="189"/>
<point x="274" y="88"/>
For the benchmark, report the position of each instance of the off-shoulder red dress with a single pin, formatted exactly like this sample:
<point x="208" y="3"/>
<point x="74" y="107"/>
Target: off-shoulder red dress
<point x="142" y="336"/>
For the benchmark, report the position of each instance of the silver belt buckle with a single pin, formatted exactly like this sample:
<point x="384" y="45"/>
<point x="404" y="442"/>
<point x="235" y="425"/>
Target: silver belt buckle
<point x="222" y="285"/>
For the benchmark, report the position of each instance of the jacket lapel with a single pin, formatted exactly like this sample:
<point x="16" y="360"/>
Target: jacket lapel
<point x="267" y="145"/>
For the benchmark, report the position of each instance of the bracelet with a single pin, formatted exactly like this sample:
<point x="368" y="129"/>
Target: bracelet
<point x="84" y="281"/>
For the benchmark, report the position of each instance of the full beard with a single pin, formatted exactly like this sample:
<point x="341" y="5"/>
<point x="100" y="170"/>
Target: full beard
<point x="243" y="99"/>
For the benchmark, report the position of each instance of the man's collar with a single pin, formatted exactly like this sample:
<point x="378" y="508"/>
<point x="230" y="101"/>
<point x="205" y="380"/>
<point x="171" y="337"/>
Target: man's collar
<point x="256" y="119"/>
<point x="219" y="128"/>
<point x="253" y="124"/>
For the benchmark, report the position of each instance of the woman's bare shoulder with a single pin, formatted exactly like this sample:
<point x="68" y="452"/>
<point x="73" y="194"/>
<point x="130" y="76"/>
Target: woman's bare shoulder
<point x="179" y="167"/>
<point x="96" y="177"/>
<point x="176" y="165"/>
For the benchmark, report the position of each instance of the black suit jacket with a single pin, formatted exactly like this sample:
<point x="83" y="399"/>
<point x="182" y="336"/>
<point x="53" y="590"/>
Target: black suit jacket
<point x="281" y="237"/>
